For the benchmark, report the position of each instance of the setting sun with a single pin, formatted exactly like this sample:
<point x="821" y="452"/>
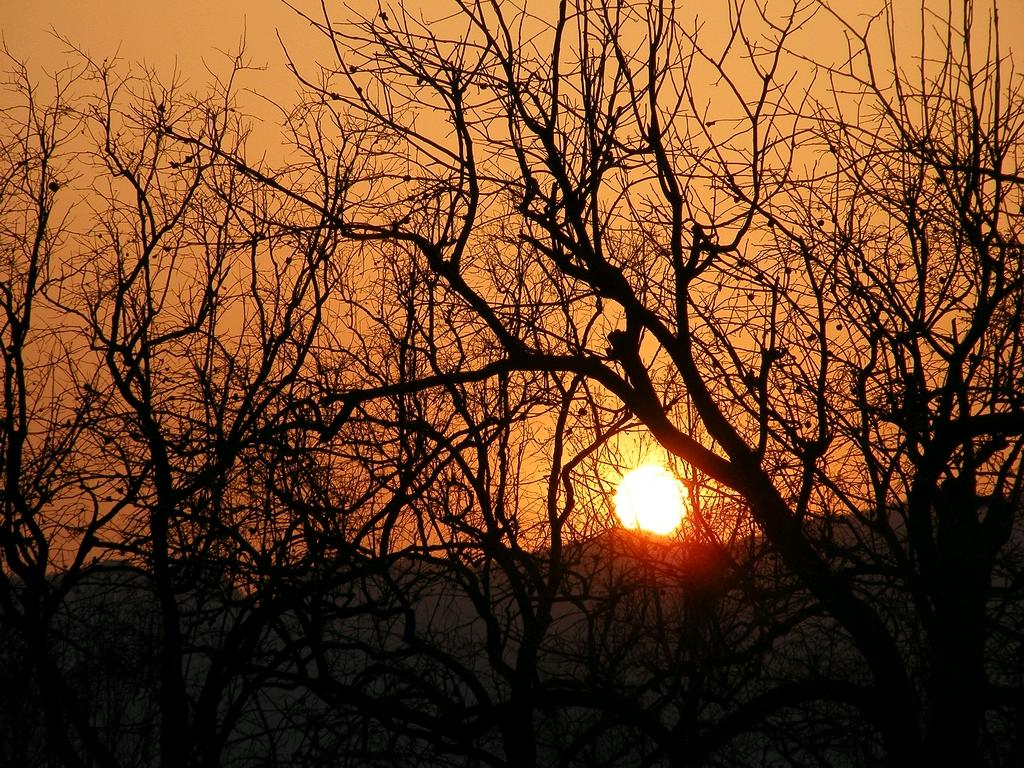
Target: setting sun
<point x="650" y="498"/>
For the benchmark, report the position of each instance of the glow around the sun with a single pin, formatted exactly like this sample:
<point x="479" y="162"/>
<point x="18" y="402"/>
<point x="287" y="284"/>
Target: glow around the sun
<point x="650" y="498"/>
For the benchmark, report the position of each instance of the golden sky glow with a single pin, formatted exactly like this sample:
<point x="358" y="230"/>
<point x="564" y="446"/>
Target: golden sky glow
<point x="185" y="33"/>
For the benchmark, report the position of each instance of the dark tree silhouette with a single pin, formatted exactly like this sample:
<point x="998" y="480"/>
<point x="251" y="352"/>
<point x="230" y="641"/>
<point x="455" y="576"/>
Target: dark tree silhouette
<point x="309" y="461"/>
<point x="815" y="261"/>
<point x="157" y="341"/>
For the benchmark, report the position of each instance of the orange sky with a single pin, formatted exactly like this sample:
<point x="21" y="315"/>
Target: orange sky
<point x="186" y="35"/>
<point x="162" y="33"/>
<point x="187" y="32"/>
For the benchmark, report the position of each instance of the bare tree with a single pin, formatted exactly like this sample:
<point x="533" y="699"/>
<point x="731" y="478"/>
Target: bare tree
<point x="157" y="346"/>
<point x="815" y="263"/>
<point x="329" y="442"/>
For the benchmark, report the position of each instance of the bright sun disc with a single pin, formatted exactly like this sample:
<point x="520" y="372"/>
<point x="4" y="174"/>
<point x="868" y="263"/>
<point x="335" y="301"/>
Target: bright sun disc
<point x="650" y="498"/>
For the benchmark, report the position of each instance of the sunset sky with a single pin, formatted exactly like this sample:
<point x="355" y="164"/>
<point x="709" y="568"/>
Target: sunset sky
<point x="188" y="32"/>
<point x="160" y="33"/>
<point x="190" y="36"/>
<point x="511" y="383"/>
